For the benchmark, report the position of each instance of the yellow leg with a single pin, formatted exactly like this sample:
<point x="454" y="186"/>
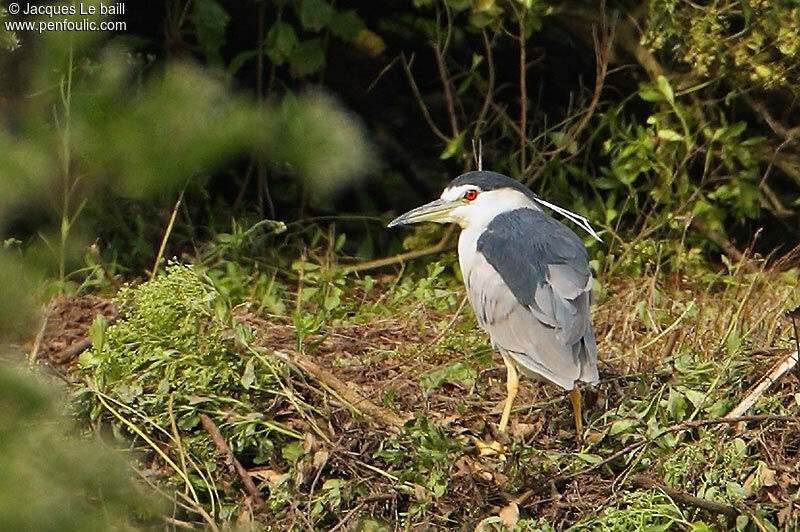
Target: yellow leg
<point x="575" y="398"/>
<point x="512" y="384"/>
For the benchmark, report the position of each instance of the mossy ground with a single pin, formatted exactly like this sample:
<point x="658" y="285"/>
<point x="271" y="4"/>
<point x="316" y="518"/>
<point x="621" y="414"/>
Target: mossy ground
<point x="673" y="353"/>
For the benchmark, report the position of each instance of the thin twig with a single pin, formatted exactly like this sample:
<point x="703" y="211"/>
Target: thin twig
<point x="766" y="381"/>
<point x="447" y="327"/>
<point x="680" y="497"/>
<point x="383" y="71"/>
<point x="73" y="350"/>
<point x="189" y="504"/>
<point x="727" y="420"/>
<point x="166" y="235"/>
<point x="176" y="523"/>
<point x="401" y="258"/>
<point x="34" y="354"/>
<point x="199" y="509"/>
<point x="347" y="517"/>
<point x="792" y="314"/>
<point x="439" y="49"/>
<point x="490" y="80"/>
<point x="356" y="400"/>
<point x="93" y="249"/>
<point x="523" y="95"/>
<point x="448" y="93"/>
<point x="231" y="460"/>
<point x="602" y="47"/>
<point x="424" y="108"/>
<point x="686" y="425"/>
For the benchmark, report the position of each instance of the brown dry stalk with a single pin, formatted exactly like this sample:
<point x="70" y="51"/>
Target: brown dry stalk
<point x="34" y="354"/>
<point x="95" y="251"/>
<point x="401" y="258"/>
<point x="766" y="381"/>
<point x="644" y="483"/>
<point x="231" y="459"/>
<point x="356" y="400"/>
<point x="167" y="232"/>
<point x="418" y="96"/>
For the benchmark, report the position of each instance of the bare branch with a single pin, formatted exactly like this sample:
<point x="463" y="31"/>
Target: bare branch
<point x="424" y="108"/>
<point x="645" y="483"/>
<point x="490" y="80"/>
<point x="444" y="77"/>
<point x="231" y="460"/>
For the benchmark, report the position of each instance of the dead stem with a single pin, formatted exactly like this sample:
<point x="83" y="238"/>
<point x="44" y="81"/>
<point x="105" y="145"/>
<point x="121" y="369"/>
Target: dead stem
<point x="231" y="460"/>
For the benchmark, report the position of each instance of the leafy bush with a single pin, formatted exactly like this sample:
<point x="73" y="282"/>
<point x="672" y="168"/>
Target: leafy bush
<point x="53" y="480"/>
<point x="174" y="353"/>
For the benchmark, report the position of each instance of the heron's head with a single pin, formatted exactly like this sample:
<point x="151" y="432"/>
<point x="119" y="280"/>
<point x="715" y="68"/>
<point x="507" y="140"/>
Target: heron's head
<point x="472" y="198"/>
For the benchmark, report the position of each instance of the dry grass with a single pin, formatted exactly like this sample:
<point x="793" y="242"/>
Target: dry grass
<point x="671" y="352"/>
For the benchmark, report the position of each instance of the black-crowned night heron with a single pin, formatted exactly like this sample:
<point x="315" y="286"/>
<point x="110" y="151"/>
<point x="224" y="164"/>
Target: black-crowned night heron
<point x="527" y="277"/>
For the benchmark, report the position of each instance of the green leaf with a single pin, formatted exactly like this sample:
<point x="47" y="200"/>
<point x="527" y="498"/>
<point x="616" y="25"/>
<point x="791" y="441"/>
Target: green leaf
<point x="604" y="183"/>
<point x="210" y="21"/>
<point x="239" y="60"/>
<point x="455" y="371"/>
<point x="281" y="42"/>
<point x="670" y="135"/>
<point x="454" y="146"/>
<point x="735" y="130"/>
<point x="676" y="404"/>
<point x="734" y="341"/>
<point x="589" y="458"/>
<point x="742" y="521"/>
<point x="649" y="94"/>
<point x="315" y="14"/>
<point x="346" y="24"/>
<point x="621" y="425"/>
<point x="737" y="490"/>
<point x="308" y="56"/>
<point x="665" y="88"/>
<point x="292" y="451"/>
<point x="695" y="397"/>
<point x="97" y="332"/>
<point x="249" y="376"/>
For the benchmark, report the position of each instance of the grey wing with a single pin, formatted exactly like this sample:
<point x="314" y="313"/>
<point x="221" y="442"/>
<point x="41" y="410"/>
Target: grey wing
<point x="552" y="337"/>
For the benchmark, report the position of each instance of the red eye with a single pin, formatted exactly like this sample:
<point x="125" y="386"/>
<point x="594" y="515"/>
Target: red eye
<point x="470" y="194"/>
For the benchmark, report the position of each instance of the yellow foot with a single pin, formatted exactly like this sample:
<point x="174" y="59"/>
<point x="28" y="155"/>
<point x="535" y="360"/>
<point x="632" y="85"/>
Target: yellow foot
<point x="494" y="449"/>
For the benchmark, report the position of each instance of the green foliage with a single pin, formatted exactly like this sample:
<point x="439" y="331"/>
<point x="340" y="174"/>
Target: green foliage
<point x="299" y="44"/>
<point x="113" y="131"/>
<point x="683" y="161"/>
<point x="755" y="42"/>
<point x="54" y="480"/>
<point x="8" y="39"/>
<point x="643" y="510"/>
<point x="454" y="372"/>
<point x="210" y="22"/>
<point x="314" y="123"/>
<point x="175" y="353"/>
<point x="17" y="303"/>
<point x="424" y="472"/>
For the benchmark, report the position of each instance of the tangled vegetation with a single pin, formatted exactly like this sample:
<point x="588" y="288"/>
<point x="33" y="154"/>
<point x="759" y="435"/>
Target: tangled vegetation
<point x="672" y="366"/>
<point x="298" y="367"/>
